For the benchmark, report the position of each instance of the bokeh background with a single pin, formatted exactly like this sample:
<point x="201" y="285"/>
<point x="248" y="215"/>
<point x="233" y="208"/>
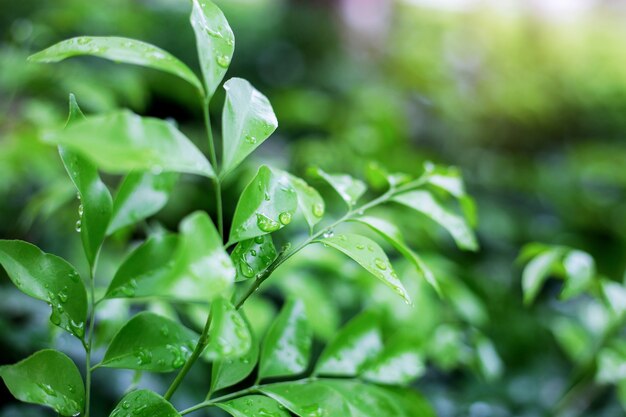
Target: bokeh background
<point x="528" y="98"/>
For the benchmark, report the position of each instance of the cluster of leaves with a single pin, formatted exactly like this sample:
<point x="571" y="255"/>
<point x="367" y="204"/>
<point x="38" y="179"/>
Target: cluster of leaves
<point x="590" y="331"/>
<point x="196" y="266"/>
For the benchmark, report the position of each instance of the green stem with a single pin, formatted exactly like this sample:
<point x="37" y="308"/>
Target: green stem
<point x="88" y="345"/>
<point x="213" y="158"/>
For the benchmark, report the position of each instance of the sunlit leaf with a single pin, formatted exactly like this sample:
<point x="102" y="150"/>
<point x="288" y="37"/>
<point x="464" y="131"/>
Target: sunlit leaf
<point x="450" y="180"/>
<point x="254" y="406"/>
<point x="248" y="119"/>
<point x="349" y="189"/>
<point x="214" y="40"/>
<point x="398" y="364"/>
<point x="48" y="278"/>
<point x="392" y="234"/>
<point x="266" y="205"/>
<point x="252" y="256"/>
<point x="140" y="195"/>
<point x="144" y="403"/>
<point x="310" y="203"/>
<point x="48" y="378"/>
<point x="537" y="272"/>
<point x="358" y="342"/>
<point x="365" y="399"/>
<point x="425" y="203"/>
<point x="370" y="256"/>
<point x="229" y="335"/>
<point x="95" y="207"/>
<point x="287" y="346"/>
<point x="580" y="269"/>
<point x="122" y="141"/>
<point x="126" y="50"/>
<point x="229" y="371"/>
<point x="150" y="342"/>
<point x="307" y="399"/>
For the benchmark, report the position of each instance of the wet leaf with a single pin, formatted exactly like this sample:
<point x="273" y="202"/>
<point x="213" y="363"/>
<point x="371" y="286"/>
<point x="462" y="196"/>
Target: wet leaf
<point x="537" y="272"/>
<point x="349" y="189"/>
<point x="310" y="203"/>
<point x="254" y="406"/>
<point x="144" y="403"/>
<point x="229" y="334"/>
<point x="398" y="364"/>
<point x="252" y="256"/>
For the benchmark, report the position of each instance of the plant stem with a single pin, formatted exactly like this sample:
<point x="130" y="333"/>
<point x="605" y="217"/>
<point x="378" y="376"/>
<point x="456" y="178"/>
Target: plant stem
<point x="213" y="158"/>
<point x="89" y="343"/>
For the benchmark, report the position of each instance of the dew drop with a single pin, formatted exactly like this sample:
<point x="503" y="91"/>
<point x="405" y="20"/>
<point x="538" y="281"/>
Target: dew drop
<point x="360" y="246"/>
<point x="223" y="61"/>
<point x="246" y="270"/>
<point x="266" y="224"/>
<point x="78" y="226"/>
<point x="328" y="233"/>
<point x="81" y="209"/>
<point x="251" y="139"/>
<point x="258" y="239"/>
<point x="380" y="264"/>
<point x="285" y="217"/>
<point x="318" y="210"/>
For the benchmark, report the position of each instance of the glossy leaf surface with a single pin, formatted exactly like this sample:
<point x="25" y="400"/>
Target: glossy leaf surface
<point x="121" y="141"/>
<point x="252" y="256"/>
<point x="310" y="202"/>
<point x="537" y="272"/>
<point x="150" y="342"/>
<point x="48" y="278"/>
<point x="144" y="403"/>
<point x="393" y="235"/>
<point x="357" y="343"/>
<point x="140" y="195"/>
<point x="287" y="346"/>
<point x="398" y="364"/>
<point x="425" y="203"/>
<point x="370" y="256"/>
<point x="580" y="270"/>
<point x="266" y="205"/>
<point x="349" y="189"/>
<point x="95" y="207"/>
<point x="229" y="334"/>
<point x="247" y="120"/>
<point x="254" y="406"/>
<point x="229" y="371"/>
<point x="48" y="378"/>
<point x="129" y="51"/>
<point x="214" y="40"/>
<point x="309" y="398"/>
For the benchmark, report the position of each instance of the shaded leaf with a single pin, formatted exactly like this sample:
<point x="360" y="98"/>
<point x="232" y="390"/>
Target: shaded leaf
<point x="48" y="278"/>
<point x="266" y="205"/>
<point x="129" y="51"/>
<point x="214" y="40"/>
<point x="229" y="334"/>
<point x="393" y="236"/>
<point x="247" y="120"/>
<point x="140" y="195"/>
<point x="349" y="189"/>
<point x="287" y="346"/>
<point x="144" y="403"/>
<point x="121" y="141"/>
<point x="48" y="378"/>
<point x="425" y="203"/>
<point x="252" y="256"/>
<point x="357" y="343"/>
<point x="398" y="364"/>
<point x="411" y="403"/>
<point x="229" y="371"/>
<point x="254" y="406"/>
<point x="95" y="199"/>
<point x="370" y="256"/>
<point x="580" y="269"/>
<point x="150" y="342"/>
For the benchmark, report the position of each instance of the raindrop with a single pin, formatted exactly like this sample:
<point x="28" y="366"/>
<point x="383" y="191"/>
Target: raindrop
<point x="285" y="217"/>
<point x="78" y="226"/>
<point x="258" y="239"/>
<point x="266" y="224"/>
<point x="328" y="233"/>
<point x="81" y="209"/>
<point x="380" y="264"/>
<point x="360" y="246"/>
<point x="318" y="210"/>
<point x="251" y="139"/>
<point x="223" y="61"/>
<point x="246" y="270"/>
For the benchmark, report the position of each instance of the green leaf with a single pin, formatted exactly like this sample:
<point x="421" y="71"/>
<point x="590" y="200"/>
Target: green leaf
<point x="611" y="360"/>
<point x="266" y="205"/>
<point x="129" y="51"/>
<point x="370" y="256"/>
<point x="365" y="399"/>
<point x="229" y="334"/>
<point x="140" y="195"/>
<point x="392" y="234"/>
<point x="287" y="346"/>
<point x="310" y="202"/>
<point x="48" y="278"/>
<point x="215" y="42"/>
<point x="48" y="378"/>
<point x="412" y="403"/>
<point x="357" y="343"/>
<point x="247" y="120"/>
<point x="309" y="399"/>
<point x="349" y="189"/>
<point x="254" y="406"/>
<point x="580" y="269"/>
<point x="150" y="342"/>
<point x="537" y="272"/>
<point x="202" y="268"/>
<point x="230" y="371"/>
<point x="615" y="296"/>
<point x="252" y="256"/>
<point x="450" y="180"/>
<point x="95" y="199"/>
<point x="425" y="203"/>
<point x="121" y="141"/>
<point x="144" y="403"/>
<point x="146" y="270"/>
<point x="398" y="364"/>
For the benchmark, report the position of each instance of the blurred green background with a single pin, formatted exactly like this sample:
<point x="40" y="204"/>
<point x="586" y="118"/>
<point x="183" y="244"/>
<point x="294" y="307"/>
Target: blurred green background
<point x="527" y="98"/>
